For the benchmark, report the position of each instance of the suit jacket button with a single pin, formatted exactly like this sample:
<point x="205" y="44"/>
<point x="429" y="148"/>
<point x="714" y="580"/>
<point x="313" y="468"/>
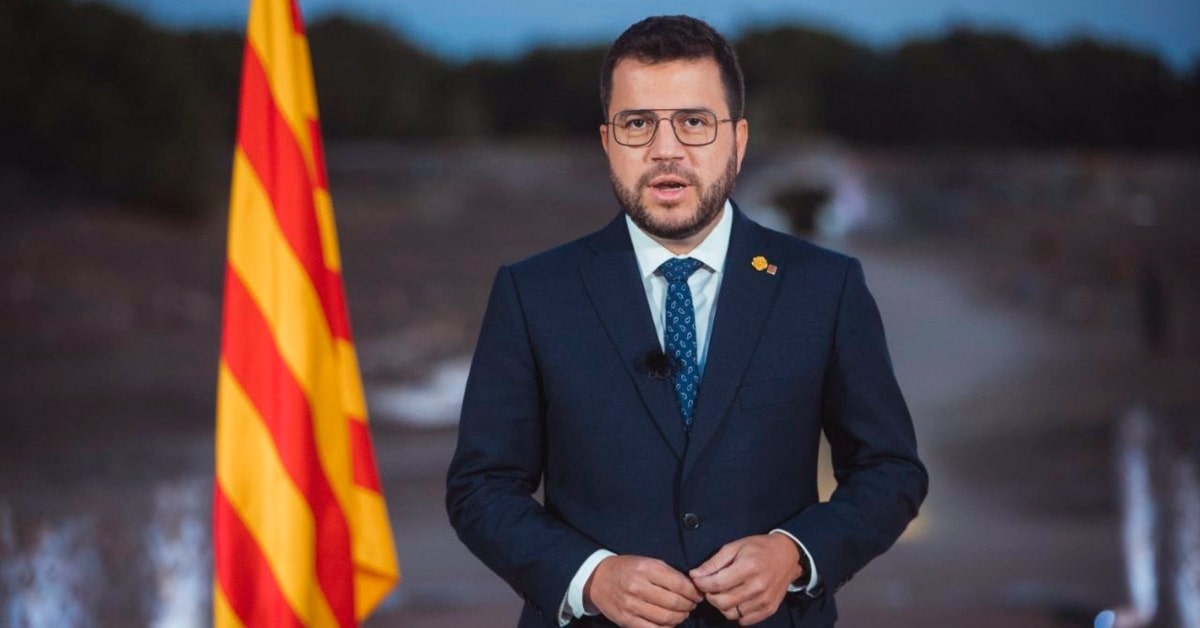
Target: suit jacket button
<point x="691" y="521"/>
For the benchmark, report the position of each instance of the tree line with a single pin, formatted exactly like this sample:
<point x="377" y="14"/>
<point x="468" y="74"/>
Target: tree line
<point x="99" y="102"/>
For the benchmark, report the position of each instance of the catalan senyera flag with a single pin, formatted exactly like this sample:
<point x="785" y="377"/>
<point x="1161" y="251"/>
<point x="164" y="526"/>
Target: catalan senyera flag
<point x="300" y="528"/>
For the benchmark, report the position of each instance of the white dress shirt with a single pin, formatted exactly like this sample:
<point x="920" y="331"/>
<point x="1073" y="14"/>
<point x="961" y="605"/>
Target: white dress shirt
<point x="705" y="285"/>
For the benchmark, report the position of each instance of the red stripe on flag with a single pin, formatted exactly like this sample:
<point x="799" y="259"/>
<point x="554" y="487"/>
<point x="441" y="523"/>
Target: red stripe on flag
<point x="244" y="574"/>
<point x="318" y="149"/>
<point x="278" y="160"/>
<point x="366" y="474"/>
<point x="249" y="350"/>
<point x="337" y="314"/>
<point x="297" y="19"/>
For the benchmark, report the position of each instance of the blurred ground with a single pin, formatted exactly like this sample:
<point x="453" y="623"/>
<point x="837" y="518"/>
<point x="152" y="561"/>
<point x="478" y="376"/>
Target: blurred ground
<point x="1013" y="288"/>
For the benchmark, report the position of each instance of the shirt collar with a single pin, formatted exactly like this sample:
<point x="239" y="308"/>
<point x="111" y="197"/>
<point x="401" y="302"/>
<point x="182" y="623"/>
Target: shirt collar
<point x="711" y="252"/>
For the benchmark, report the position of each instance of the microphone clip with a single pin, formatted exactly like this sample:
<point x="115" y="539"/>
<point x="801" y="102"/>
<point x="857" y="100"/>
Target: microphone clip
<point x="659" y="365"/>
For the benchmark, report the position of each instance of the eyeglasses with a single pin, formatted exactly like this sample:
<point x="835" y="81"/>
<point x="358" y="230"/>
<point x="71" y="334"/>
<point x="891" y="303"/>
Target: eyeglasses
<point x="693" y="127"/>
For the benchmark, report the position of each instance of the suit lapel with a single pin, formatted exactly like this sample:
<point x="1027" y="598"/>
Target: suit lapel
<point x="742" y="306"/>
<point x="615" y="288"/>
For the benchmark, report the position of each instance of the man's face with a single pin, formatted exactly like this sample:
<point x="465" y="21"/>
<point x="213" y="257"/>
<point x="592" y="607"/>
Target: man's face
<point x="671" y="190"/>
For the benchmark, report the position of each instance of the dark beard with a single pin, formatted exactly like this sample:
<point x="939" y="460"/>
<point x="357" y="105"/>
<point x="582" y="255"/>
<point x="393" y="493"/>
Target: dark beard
<point x="711" y="199"/>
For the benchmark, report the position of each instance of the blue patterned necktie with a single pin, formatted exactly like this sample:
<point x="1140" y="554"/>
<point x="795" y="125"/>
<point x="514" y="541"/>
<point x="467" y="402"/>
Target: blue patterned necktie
<point x="679" y="333"/>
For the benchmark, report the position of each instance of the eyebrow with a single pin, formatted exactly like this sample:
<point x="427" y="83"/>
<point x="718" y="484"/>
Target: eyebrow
<point x="705" y="109"/>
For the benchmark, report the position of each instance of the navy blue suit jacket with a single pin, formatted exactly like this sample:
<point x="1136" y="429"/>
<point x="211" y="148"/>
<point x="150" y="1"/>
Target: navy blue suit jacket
<point x="559" y="398"/>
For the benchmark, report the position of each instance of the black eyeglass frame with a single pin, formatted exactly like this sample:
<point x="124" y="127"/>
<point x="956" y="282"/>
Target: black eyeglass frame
<point x="658" y="119"/>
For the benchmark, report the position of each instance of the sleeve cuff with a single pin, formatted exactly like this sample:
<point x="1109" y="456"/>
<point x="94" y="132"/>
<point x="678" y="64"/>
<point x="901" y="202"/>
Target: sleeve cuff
<point x="572" y="606"/>
<point x="810" y="583"/>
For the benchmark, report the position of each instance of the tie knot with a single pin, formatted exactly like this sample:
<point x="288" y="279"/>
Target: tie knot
<point x="678" y="270"/>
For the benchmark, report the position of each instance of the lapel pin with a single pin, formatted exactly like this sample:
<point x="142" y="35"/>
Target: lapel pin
<point x="759" y="263"/>
<point x="772" y="269"/>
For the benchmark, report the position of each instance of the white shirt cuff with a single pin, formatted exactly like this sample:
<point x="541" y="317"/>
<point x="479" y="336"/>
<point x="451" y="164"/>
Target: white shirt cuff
<point x="572" y="606"/>
<point x="814" y="579"/>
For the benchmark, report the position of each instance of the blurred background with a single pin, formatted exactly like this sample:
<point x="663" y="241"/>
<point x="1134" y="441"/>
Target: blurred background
<point x="1020" y="181"/>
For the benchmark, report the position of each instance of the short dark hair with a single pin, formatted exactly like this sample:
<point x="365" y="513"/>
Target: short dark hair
<point x="670" y="38"/>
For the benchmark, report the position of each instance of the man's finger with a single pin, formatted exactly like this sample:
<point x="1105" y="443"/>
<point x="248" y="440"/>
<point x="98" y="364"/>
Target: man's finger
<point x="728" y="601"/>
<point x="657" y="615"/>
<point x="730" y="612"/>
<point x="666" y="599"/>
<point x="755" y="615"/>
<point x="675" y="582"/>
<point x="716" y="562"/>
<point x="747" y="616"/>
<point x="729" y="577"/>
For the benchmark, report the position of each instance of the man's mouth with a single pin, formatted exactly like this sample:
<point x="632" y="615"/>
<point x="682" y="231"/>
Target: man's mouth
<point x="668" y="190"/>
<point x="668" y="184"/>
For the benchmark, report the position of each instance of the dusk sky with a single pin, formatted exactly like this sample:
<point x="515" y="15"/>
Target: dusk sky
<point x="461" y="29"/>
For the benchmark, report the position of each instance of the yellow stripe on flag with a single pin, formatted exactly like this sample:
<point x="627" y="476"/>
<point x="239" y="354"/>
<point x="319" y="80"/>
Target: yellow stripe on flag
<point x="352" y="393"/>
<point x="372" y="551"/>
<point x="329" y="241"/>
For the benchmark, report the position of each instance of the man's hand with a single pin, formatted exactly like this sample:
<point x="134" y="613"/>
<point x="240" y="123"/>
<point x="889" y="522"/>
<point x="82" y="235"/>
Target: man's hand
<point x="747" y="579"/>
<point x="640" y="592"/>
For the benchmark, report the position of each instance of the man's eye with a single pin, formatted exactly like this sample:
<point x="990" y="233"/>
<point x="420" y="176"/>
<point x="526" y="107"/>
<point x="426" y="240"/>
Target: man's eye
<point x="636" y="124"/>
<point x="695" y="122"/>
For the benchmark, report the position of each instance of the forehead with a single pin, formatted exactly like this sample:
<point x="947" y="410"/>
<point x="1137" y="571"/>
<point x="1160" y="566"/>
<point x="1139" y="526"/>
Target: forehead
<point x="678" y="84"/>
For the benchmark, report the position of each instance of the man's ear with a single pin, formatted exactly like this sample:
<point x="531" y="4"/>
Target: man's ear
<point x="604" y="137"/>
<point x="742" y="131"/>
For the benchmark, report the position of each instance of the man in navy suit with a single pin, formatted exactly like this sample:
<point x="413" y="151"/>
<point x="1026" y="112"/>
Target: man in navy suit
<point x="666" y="380"/>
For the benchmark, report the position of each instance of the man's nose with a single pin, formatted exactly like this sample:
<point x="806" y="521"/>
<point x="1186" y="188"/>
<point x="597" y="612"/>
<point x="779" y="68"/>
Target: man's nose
<point x="665" y="145"/>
